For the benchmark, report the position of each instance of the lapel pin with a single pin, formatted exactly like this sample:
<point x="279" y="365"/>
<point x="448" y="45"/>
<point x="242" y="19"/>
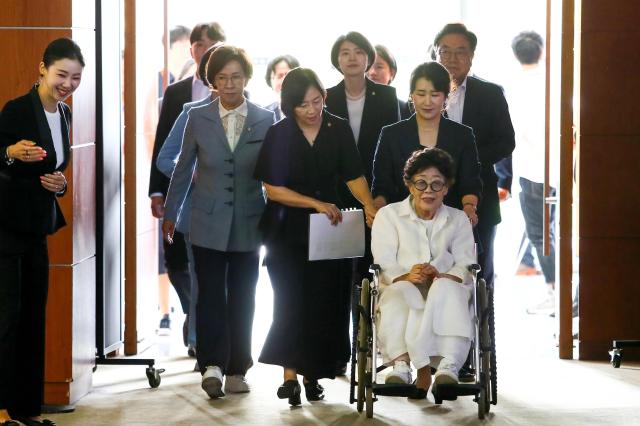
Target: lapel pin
<point x="373" y="93"/>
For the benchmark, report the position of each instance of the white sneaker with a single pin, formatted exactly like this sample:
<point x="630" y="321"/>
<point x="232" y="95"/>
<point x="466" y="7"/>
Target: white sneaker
<point x="236" y="384"/>
<point x="212" y="382"/>
<point x="447" y="374"/>
<point x="401" y="374"/>
<point x="546" y="306"/>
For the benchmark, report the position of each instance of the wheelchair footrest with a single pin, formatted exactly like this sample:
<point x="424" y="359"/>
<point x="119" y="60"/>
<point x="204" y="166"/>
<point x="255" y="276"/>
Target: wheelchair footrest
<point x="452" y="392"/>
<point x="393" y="389"/>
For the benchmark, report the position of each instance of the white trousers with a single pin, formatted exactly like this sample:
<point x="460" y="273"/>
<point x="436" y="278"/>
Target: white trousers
<point x="428" y="330"/>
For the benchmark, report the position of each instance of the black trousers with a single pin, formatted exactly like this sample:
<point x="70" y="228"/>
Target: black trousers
<point x="24" y="282"/>
<point x="486" y="235"/>
<point x="176" y="263"/>
<point x="225" y="308"/>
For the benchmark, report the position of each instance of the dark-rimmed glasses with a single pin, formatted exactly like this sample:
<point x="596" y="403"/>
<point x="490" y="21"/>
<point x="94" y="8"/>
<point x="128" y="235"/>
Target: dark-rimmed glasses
<point x="422" y="185"/>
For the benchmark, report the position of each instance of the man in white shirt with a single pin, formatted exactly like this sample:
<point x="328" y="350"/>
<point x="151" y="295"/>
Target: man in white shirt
<point x="527" y="100"/>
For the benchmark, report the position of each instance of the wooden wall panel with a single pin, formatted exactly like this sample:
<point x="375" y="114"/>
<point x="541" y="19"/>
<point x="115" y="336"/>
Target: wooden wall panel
<point x="610" y="186"/>
<point x="36" y="13"/>
<point x="24" y="58"/>
<point x="609" y="194"/>
<point x="59" y="330"/>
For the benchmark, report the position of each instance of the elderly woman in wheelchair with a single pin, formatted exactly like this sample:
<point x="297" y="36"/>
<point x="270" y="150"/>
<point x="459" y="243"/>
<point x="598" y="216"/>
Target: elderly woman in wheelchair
<point x="424" y="249"/>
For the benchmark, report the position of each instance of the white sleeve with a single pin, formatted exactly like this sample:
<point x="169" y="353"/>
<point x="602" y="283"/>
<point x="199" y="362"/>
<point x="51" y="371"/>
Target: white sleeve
<point x="384" y="245"/>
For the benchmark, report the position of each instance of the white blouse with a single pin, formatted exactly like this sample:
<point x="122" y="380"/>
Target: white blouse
<point x="399" y="240"/>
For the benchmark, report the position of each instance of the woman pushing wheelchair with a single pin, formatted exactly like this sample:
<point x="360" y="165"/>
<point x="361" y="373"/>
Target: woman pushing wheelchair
<point x="424" y="249"/>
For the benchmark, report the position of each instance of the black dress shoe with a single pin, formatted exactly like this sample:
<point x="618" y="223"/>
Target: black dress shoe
<point x="313" y="390"/>
<point x="10" y="423"/>
<point x="290" y="389"/>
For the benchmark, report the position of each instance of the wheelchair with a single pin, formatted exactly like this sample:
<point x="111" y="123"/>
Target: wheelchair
<point x="364" y="352"/>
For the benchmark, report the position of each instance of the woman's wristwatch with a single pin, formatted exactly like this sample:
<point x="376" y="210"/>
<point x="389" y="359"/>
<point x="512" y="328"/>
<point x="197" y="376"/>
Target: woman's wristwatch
<point x="8" y="160"/>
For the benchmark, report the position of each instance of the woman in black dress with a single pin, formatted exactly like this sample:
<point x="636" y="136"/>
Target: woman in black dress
<point x="302" y="159"/>
<point x="34" y="151"/>
<point x="430" y="83"/>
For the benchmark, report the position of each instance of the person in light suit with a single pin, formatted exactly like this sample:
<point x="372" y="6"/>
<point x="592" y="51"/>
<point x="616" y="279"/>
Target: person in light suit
<point x="224" y="137"/>
<point x="424" y="248"/>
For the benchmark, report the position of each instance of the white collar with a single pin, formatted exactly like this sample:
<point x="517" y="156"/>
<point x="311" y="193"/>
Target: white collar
<point x="242" y="109"/>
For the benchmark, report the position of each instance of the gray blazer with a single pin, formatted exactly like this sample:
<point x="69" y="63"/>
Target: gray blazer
<point x="227" y="202"/>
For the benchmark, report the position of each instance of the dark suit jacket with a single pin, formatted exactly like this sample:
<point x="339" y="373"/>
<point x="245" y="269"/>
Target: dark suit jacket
<point x="400" y="140"/>
<point x="175" y="97"/>
<point x="25" y="206"/>
<point x="380" y="109"/>
<point x="486" y="112"/>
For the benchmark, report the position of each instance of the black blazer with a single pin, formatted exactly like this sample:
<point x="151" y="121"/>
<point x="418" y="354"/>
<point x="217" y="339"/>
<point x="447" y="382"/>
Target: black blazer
<point x="486" y="112"/>
<point x="400" y="140"/>
<point x="380" y="109"/>
<point x="174" y="99"/>
<point x="25" y="206"/>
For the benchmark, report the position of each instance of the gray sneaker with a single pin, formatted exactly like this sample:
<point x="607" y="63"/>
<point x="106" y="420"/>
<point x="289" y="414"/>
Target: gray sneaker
<point x="212" y="382"/>
<point x="236" y="383"/>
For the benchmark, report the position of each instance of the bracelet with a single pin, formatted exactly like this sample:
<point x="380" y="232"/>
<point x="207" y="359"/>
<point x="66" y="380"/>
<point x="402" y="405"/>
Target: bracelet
<point x="8" y="160"/>
<point x="470" y="204"/>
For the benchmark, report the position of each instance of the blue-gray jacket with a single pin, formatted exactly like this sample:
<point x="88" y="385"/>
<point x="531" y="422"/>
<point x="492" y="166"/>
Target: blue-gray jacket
<point x="227" y="201"/>
<point x="168" y="158"/>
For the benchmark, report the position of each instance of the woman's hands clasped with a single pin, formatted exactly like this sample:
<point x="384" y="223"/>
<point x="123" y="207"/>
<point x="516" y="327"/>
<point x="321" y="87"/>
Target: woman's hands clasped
<point x="26" y="151"/>
<point x="54" y="182"/>
<point x="422" y="274"/>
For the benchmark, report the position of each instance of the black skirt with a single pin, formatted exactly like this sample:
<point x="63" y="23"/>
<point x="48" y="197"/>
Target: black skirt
<point x="308" y="332"/>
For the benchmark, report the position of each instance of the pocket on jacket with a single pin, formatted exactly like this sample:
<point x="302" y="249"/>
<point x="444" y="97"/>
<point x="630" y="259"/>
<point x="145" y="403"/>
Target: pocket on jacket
<point x="256" y="141"/>
<point x="205" y="205"/>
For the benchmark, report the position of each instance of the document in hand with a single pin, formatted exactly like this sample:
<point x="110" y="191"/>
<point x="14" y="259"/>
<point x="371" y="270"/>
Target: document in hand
<point x="336" y="242"/>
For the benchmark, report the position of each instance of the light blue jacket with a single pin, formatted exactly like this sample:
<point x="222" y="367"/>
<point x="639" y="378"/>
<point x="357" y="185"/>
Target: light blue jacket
<point x="227" y="201"/>
<point x="168" y="158"/>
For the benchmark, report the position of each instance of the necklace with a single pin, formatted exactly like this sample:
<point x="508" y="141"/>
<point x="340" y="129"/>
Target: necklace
<point x="358" y="96"/>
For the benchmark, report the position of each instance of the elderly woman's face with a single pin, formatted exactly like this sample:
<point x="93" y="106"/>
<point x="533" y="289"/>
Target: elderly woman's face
<point x="230" y="82"/>
<point x="428" y="188"/>
<point x="352" y="59"/>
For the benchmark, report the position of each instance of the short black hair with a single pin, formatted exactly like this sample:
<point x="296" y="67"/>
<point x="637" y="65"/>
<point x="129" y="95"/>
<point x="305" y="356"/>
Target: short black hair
<point x="62" y="48"/>
<point x="202" y="68"/>
<point x="433" y="72"/>
<point x="221" y="56"/>
<point x="295" y="86"/>
<point x="386" y="56"/>
<point x="430" y="157"/>
<point x="527" y="46"/>
<point x="357" y="39"/>
<point x="290" y="60"/>
<point x="178" y="33"/>
<point x="213" y="29"/>
<point x="456" y="28"/>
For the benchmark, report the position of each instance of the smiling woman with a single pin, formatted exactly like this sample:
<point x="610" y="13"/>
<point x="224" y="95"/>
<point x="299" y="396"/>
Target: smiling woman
<point x="34" y="142"/>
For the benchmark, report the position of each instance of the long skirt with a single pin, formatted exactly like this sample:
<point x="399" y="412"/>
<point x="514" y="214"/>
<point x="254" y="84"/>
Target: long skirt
<point x="307" y="332"/>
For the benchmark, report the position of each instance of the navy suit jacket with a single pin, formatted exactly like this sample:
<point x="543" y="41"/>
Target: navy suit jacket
<point x="25" y="206"/>
<point x="176" y="95"/>
<point x="487" y="113"/>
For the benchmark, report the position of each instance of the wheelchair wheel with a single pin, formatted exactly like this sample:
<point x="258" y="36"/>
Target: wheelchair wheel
<point x="483" y="404"/>
<point x="363" y="344"/>
<point x="493" y="371"/>
<point x="369" y="402"/>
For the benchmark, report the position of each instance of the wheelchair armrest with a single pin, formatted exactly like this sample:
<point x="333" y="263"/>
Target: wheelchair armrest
<point x="375" y="268"/>
<point x="474" y="267"/>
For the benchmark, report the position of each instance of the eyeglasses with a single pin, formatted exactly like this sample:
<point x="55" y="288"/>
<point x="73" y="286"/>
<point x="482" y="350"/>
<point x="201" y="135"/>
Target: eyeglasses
<point x="422" y="185"/>
<point x="447" y="54"/>
<point x="222" y="80"/>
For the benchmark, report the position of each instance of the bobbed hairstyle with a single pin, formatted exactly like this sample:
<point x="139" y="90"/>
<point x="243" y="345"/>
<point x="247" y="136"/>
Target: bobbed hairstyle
<point x="386" y="56"/>
<point x="221" y="56"/>
<point x="295" y="86"/>
<point x="357" y="39"/>
<point x="290" y="61"/>
<point x="456" y="28"/>
<point x="433" y="72"/>
<point x="62" y="48"/>
<point x="430" y="157"/>
<point x="527" y="46"/>
<point x="213" y="29"/>
<point x="202" y="68"/>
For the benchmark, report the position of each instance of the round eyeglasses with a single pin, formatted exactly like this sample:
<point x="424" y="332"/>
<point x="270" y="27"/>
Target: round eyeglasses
<point x="422" y="185"/>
